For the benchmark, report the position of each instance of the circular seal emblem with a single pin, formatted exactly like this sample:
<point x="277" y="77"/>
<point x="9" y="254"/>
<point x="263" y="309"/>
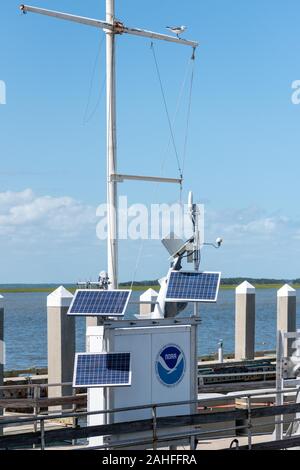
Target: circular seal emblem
<point x="170" y="365"/>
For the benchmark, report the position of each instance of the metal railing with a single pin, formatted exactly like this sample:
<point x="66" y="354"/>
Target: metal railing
<point x="264" y="374"/>
<point x="33" y="401"/>
<point x="155" y="425"/>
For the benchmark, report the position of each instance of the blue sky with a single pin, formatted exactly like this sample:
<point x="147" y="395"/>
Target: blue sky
<point x="242" y="159"/>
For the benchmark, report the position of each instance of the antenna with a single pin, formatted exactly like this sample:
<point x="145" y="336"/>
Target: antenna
<point x="190" y="202"/>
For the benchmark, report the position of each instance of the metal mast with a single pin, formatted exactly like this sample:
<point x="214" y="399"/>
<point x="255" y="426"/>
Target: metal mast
<point x="112" y="27"/>
<point x="112" y="220"/>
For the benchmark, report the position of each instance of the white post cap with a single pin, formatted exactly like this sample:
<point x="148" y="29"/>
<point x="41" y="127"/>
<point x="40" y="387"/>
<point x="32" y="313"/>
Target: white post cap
<point x="148" y="295"/>
<point x="286" y="291"/>
<point x="245" y="288"/>
<point x="61" y="297"/>
<point x="1" y="301"/>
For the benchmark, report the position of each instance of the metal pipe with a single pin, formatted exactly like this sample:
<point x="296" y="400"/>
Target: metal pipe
<point x="66" y="16"/>
<point x="155" y="179"/>
<point x="112" y="202"/>
<point x="163" y="37"/>
<point x="36" y="409"/>
<point x="154" y="421"/>
<point x="46" y="385"/>
<point x="220" y="352"/>
<point x="42" y="429"/>
<point x="249" y="425"/>
<point x="118" y="28"/>
<point x="279" y="385"/>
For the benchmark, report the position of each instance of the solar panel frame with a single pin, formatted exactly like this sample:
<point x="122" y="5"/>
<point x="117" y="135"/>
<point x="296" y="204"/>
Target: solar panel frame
<point x="125" y="292"/>
<point x="100" y="384"/>
<point x="186" y="298"/>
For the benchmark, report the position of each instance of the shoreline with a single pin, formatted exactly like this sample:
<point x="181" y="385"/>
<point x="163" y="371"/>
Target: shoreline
<point x="36" y="290"/>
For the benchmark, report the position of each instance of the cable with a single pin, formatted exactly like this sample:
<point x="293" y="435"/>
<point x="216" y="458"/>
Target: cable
<point x="85" y="118"/>
<point x="86" y="121"/>
<point x="166" y="109"/>
<point x="188" y="114"/>
<point x="138" y="260"/>
<point x="172" y="138"/>
<point x="179" y="99"/>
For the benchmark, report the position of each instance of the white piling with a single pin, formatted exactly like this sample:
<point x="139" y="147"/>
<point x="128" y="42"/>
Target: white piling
<point x="61" y="341"/>
<point x="147" y="308"/>
<point x="245" y="322"/>
<point x="2" y="348"/>
<point x="92" y="321"/>
<point x="220" y="352"/>
<point x="2" y="351"/>
<point x="286" y="315"/>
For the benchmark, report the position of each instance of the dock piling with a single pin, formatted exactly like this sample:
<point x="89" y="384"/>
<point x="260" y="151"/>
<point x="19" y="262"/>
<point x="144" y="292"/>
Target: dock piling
<point x="61" y="341"/>
<point x="149" y="296"/>
<point x="286" y="315"/>
<point x="245" y="322"/>
<point x="2" y="350"/>
<point x="221" y="352"/>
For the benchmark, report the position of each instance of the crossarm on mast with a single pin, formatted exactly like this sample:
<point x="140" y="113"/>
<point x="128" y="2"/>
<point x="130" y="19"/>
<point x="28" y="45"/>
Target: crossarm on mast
<point x="67" y="16"/>
<point x="154" y="179"/>
<point x="162" y="37"/>
<point x="117" y="28"/>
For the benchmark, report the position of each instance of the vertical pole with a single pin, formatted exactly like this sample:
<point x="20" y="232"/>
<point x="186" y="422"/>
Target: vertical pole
<point x="245" y="322"/>
<point x="112" y="223"/>
<point x="154" y="427"/>
<point x="2" y="351"/>
<point x="75" y="419"/>
<point x="279" y="386"/>
<point x="61" y="342"/>
<point x="36" y="396"/>
<point x="96" y="395"/>
<point x="286" y="316"/>
<point x="42" y="430"/>
<point x="197" y="249"/>
<point x="220" y="352"/>
<point x="249" y="423"/>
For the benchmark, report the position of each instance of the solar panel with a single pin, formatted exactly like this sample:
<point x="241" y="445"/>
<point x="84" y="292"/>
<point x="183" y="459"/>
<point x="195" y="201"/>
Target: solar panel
<point x="102" y="370"/>
<point x="94" y="302"/>
<point x="185" y="286"/>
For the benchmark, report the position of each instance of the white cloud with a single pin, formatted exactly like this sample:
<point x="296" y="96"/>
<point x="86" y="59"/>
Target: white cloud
<point x="252" y="222"/>
<point x="24" y="214"/>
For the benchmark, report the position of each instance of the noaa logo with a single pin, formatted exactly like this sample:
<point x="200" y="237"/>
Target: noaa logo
<point x="170" y="365"/>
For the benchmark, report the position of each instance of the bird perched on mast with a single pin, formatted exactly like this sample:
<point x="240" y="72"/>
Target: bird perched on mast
<point x="177" y="29"/>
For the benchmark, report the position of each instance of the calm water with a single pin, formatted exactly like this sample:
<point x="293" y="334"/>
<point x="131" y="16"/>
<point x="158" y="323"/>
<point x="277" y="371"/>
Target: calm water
<point x="26" y="326"/>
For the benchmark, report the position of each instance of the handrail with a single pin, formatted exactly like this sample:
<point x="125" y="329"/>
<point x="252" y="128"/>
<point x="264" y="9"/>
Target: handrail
<point x="66" y="414"/>
<point x="42" y="437"/>
<point x="34" y="385"/>
<point x="144" y="425"/>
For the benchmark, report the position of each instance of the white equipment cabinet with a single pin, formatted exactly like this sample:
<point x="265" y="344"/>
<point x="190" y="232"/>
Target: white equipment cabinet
<point x="163" y="365"/>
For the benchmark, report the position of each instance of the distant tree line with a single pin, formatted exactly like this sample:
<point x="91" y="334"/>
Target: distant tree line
<point x="230" y="281"/>
<point x="139" y="283"/>
<point x="238" y="280"/>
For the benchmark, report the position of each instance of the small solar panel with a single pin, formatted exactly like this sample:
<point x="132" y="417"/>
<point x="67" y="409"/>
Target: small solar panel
<point x="95" y="302"/>
<point x="102" y="370"/>
<point x="186" y="286"/>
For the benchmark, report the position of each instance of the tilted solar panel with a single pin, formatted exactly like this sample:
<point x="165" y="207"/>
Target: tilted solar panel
<point x="94" y="302"/>
<point x="102" y="370"/>
<point x="186" y="286"/>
